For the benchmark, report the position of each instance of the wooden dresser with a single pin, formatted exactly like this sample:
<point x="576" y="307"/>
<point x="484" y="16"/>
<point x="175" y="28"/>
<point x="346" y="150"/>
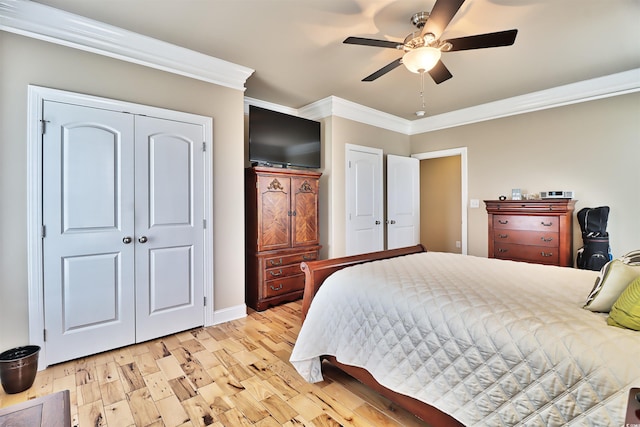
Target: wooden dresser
<point x="281" y="216"/>
<point x="538" y="231"/>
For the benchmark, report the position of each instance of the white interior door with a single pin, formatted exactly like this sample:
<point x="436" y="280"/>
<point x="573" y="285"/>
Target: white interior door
<point x="403" y="201"/>
<point x="87" y="216"/>
<point x="123" y="218"/>
<point x="364" y="200"/>
<point x="169" y="170"/>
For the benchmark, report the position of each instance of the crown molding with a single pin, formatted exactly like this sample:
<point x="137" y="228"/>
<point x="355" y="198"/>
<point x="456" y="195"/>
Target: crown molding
<point x="587" y="90"/>
<point x="335" y="106"/>
<point x="46" y="23"/>
<point x="583" y="91"/>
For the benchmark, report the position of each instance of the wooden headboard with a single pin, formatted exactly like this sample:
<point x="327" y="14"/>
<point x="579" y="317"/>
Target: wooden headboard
<point x="316" y="272"/>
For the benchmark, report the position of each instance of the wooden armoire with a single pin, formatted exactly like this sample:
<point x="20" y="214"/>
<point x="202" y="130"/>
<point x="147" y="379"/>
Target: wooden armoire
<point x="281" y="215"/>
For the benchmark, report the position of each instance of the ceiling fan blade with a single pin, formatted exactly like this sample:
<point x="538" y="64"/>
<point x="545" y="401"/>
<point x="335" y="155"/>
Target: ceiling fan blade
<point x="440" y="73"/>
<point x="481" y="41"/>
<point x="384" y="70"/>
<point x="371" y="42"/>
<point x="441" y="14"/>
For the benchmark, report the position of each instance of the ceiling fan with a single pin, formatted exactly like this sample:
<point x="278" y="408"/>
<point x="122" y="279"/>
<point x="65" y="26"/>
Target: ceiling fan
<point x="423" y="47"/>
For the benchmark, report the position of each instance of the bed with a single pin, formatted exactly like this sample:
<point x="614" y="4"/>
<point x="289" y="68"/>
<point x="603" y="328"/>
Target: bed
<point x="463" y="340"/>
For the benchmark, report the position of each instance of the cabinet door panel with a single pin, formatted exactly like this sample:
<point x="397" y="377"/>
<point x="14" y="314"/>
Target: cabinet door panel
<point x="274" y="213"/>
<point x="305" y="212"/>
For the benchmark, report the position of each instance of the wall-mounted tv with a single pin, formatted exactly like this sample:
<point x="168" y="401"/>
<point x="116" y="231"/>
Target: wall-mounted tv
<point x="281" y="139"/>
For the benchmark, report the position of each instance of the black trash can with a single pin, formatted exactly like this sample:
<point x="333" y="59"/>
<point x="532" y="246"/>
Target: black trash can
<point x="18" y="368"/>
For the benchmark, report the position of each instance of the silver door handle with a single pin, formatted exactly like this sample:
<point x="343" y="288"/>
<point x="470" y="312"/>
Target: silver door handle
<point x="127" y="240"/>
<point x="142" y="239"/>
<point x="377" y="222"/>
<point x="392" y="221"/>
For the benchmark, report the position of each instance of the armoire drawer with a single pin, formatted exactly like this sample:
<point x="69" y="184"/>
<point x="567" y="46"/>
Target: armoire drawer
<point x="537" y="254"/>
<point x="526" y="237"/>
<point x="518" y="222"/>
<point x="282" y="260"/>
<point x="282" y="272"/>
<point x="282" y="286"/>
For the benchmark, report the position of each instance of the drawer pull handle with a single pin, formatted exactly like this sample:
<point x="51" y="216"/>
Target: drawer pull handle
<point x="546" y="255"/>
<point x="308" y="257"/>
<point x="547" y="224"/>
<point x="503" y="221"/>
<point x="503" y="236"/>
<point x="272" y="262"/>
<point x="546" y="239"/>
<point x="274" y="274"/>
<point x="273" y="288"/>
<point x="501" y="250"/>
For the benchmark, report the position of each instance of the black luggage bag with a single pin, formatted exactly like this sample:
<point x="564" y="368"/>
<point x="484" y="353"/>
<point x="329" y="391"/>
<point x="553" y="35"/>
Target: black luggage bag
<point x="596" y="251"/>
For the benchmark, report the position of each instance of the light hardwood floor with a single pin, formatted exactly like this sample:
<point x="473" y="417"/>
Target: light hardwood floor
<point x="232" y="374"/>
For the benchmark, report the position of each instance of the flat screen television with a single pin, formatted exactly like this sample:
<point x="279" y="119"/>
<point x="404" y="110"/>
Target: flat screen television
<point x="282" y="139"/>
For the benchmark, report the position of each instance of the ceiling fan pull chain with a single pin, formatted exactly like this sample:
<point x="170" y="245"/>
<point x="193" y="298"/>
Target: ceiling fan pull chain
<point x="421" y="112"/>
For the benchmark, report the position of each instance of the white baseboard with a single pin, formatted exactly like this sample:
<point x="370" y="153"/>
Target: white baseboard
<point x="229" y="314"/>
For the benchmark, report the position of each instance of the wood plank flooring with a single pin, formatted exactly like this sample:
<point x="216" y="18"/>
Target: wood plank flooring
<point x="233" y="374"/>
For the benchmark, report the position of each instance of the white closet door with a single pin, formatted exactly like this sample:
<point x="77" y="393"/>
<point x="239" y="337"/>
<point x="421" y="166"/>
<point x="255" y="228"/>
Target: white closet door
<point x="169" y="227"/>
<point x="88" y="217"/>
<point x="364" y="200"/>
<point x="123" y="216"/>
<point x="403" y="201"/>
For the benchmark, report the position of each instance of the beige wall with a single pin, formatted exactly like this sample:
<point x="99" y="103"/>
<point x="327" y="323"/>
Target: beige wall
<point x="592" y="148"/>
<point x="338" y="132"/>
<point x="26" y="61"/>
<point x="440" y="204"/>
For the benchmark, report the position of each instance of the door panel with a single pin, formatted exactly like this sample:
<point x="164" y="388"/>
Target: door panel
<point x="273" y="211"/>
<point x="305" y="212"/>
<point x="403" y="201"/>
<point x="87" y="211"/>
<point x="364" y="200"/>
<point x="169" y="167"/>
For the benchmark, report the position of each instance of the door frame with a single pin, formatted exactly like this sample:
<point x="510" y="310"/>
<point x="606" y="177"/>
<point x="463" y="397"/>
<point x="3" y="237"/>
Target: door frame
<point x="464" y="190"/>
<point x="35" y="279"/>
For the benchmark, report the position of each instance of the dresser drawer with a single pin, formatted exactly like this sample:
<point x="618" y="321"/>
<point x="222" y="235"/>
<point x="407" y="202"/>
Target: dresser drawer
<point x="282" y="272"/>
<point x="537" y="254"/>
<point x="525" y="237"/>
<point x="284" y="285"/>
<point x="282" y="260"/>
<point x="521" y="222"/>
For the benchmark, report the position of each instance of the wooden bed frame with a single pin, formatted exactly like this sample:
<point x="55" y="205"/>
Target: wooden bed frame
<point x="315" y="274"/>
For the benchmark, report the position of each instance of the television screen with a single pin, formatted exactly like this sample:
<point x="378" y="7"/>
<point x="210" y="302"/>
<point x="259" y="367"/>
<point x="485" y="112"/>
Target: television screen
<point x="283" y="139"/>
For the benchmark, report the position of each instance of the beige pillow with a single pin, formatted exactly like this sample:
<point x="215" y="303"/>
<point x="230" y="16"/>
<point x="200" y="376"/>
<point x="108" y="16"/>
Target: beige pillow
<point x="614" y="278"/>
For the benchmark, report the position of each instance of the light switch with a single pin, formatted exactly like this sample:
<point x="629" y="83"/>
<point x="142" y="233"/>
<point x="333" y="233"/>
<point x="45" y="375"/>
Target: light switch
<point x="474" y="203"/>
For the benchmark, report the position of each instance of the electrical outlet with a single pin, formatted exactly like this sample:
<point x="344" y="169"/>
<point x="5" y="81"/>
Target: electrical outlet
<point x="458" y="244"/>
<point x="474" y="203"/>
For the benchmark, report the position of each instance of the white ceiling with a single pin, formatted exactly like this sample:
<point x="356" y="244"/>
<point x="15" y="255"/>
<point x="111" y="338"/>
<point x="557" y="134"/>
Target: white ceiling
<point x="296" y="50"/>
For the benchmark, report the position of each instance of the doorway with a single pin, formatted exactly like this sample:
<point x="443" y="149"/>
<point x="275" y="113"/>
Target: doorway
<point x="443" y="197"/>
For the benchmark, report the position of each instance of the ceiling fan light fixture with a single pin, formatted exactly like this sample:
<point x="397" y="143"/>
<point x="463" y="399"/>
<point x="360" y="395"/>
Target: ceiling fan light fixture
<point x="421" y="59"/>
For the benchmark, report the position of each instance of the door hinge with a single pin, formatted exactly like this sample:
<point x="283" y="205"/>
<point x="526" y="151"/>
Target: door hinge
<point x="204" y="146"/>
<point x="43" y="126"/>
<point x="204" y="223"/>
<point x="44" y="334"/>
<point x="43" y="231"/>
<point x="349" y="164"/>
<point x="205" y="301"/>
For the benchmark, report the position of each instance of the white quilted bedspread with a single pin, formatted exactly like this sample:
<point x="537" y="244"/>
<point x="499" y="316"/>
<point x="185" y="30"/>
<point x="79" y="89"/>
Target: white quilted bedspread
<point x="490" y="342"/>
